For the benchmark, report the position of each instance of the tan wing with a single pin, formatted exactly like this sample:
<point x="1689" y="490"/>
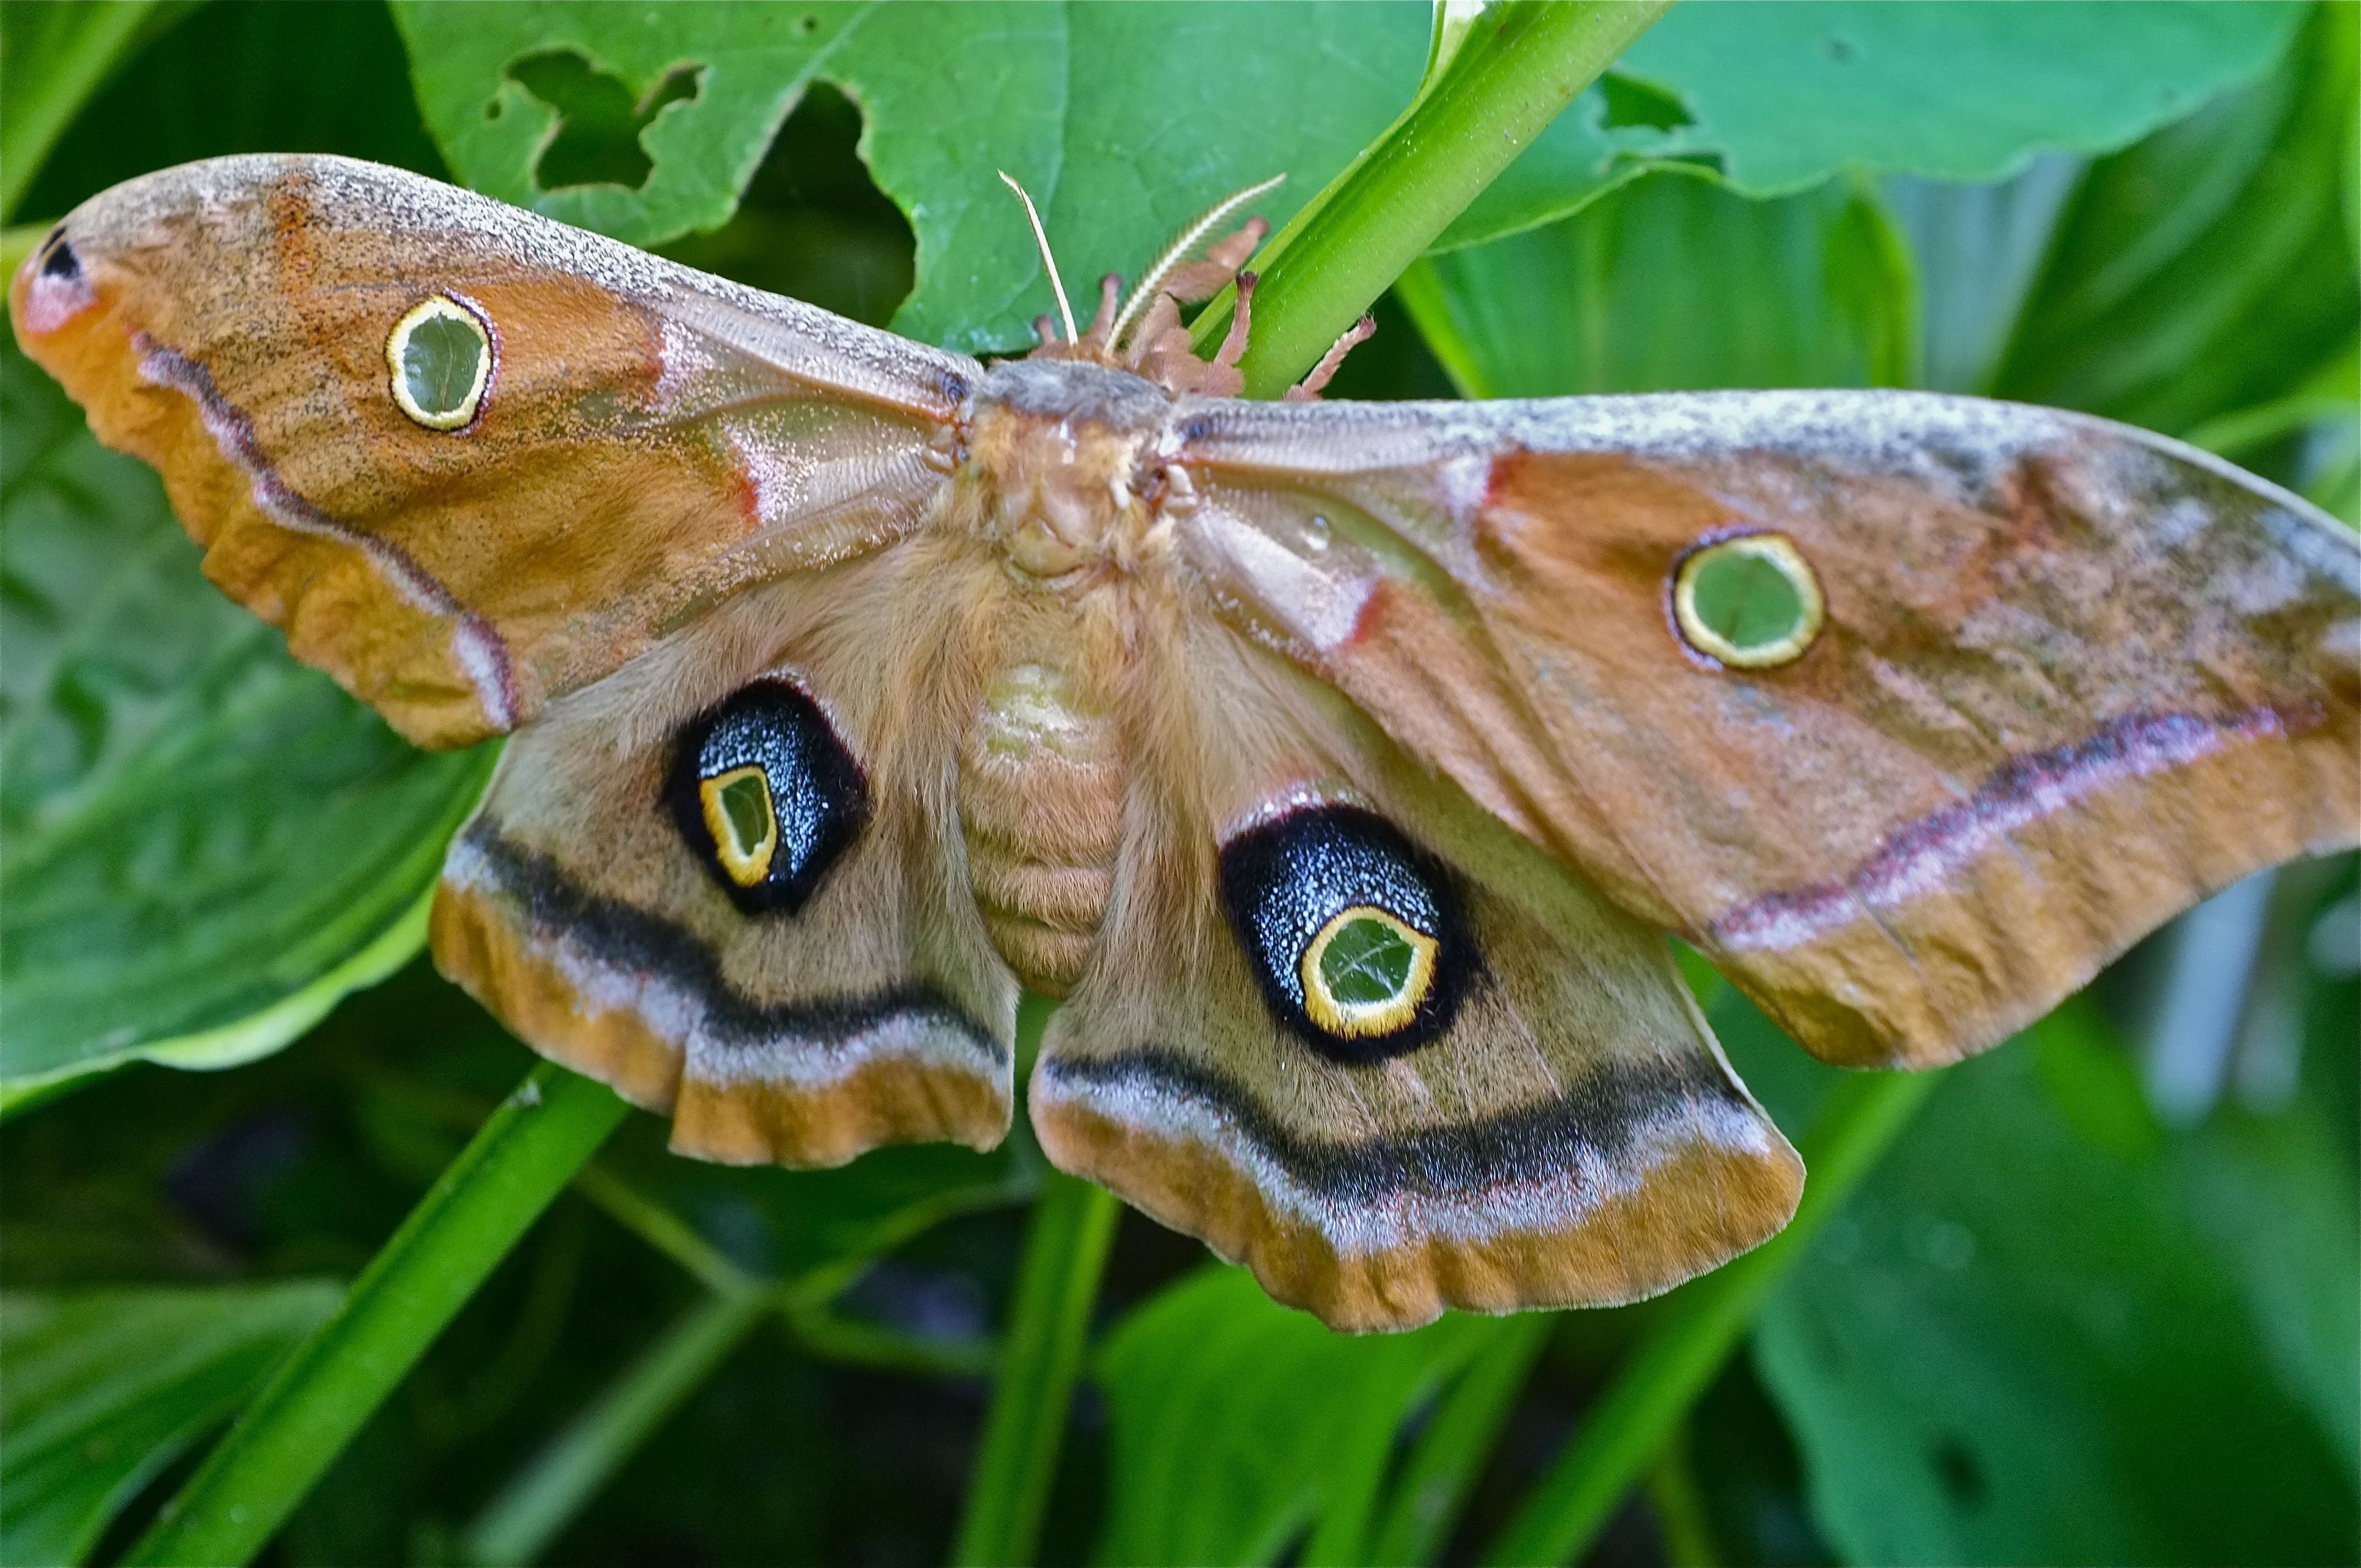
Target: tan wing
<point x="645" y="439"/>
<point x="1550" y="1123"/>
<point x="792" y="966"/>
<point x="2072" y="677"/>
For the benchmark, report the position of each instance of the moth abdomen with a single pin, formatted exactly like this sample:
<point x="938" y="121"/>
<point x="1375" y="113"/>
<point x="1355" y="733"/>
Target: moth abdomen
<point x="1042" y="779"/>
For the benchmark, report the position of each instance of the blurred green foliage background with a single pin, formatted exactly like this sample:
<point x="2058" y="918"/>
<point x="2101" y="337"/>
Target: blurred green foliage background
<point x="2097" y="1304"/>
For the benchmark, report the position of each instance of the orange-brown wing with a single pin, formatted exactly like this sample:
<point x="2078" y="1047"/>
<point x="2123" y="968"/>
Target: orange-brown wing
<point x="2070" y="676"/>
<point x="639" y="439"/>
<point x="726" y="879"/>
<point x="1359" y="1036"/>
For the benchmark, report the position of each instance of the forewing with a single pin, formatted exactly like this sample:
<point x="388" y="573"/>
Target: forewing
<point x="647" y="438"/>
<point x="845" y="996"/>
<point x="1553" y="1126"/>
<point x="2073" y="677"/>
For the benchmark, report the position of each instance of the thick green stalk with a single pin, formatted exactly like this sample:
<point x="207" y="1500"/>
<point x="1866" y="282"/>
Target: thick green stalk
<point x="1519" y="66"/>
<point x="518" y="1525"/>
<point x="1065" y="1251"/>
<point x="520" y="1160"/>
<point x="1629" y="1425"/>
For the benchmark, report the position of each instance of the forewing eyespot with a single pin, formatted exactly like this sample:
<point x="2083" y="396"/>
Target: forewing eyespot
<point x="1749" y="602"/>
<point x="1354" y="935"/>
<point x="440" y="358"/>
<point x="767" y="795"/>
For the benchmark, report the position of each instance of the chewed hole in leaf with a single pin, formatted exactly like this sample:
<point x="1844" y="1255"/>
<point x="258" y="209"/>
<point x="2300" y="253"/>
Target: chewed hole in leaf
<point x="599" y="121"/>
<point x="812" y="224"/>
<point x="1631" y="102"/>
<point x="1751" y="602"/>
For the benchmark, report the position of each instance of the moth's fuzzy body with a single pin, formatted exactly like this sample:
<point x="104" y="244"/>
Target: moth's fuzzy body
<point x="1058" y="478"/>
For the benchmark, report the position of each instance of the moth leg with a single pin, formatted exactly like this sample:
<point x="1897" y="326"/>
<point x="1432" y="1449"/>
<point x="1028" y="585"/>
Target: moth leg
<point x="1233" y="343"/>
<point x="1308" y="389"/>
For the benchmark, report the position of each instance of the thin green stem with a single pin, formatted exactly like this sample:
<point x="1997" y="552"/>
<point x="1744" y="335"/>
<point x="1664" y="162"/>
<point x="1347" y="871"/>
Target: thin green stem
<point x="1518" y="67"/>
<point x="1442" y="1469"/>
<point x="1065" y="1252"/>
<point x="511" y="1170"/>
<point x="530" y="1512"/>
<point x="1631" y="1424"/>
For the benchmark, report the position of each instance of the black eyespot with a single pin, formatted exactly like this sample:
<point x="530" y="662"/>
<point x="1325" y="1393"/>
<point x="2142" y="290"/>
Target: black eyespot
<point x="767" y="795"/>
<point x="1355" y="936"/>
<point x="61" y="261"/>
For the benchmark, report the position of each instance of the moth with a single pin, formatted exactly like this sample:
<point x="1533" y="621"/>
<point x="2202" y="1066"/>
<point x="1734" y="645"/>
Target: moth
<point x="1341" y="766"/>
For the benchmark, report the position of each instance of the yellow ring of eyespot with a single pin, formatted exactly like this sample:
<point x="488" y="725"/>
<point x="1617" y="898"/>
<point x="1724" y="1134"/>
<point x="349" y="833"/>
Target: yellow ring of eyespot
<point x="437" y="307"/>
<point x="745" y="864"/>
<point x="1785" y="558"/>
<point x="1360" y="1020"/>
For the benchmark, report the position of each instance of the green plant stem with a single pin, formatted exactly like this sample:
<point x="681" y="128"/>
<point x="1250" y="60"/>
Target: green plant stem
<point x="515" y="1166"/>
<point x="1065" y="1251"/>
<point x="1519" y="66"/>
<point x="1632" y="1420"/>
<point x="519" y="1524"/>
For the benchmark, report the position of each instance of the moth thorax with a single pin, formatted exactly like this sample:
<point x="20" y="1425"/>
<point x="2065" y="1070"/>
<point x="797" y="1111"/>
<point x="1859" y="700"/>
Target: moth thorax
<point x="1041" y="788"/>
<point x="1061" y="499"/>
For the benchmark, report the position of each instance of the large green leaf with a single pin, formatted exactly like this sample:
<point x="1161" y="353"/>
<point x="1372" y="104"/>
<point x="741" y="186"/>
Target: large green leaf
<point x="1780" y="97"/>
<point x="106" y="1388"/>
<point x="2208" y="269"/>
<point x="1236" y="1421"/>
<point x="1123" y="121"/>
<point x="206" y="845"/>
<point x="1675" y="282"/>
<point x="2048" y="1333"/>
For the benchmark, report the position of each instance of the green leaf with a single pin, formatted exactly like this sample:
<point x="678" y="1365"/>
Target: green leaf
<point x="1780" y="97"/>
<point x="1235" y="1421"/>
<point x="2207" y="269"/>
<point x="1675" y="282"/>
<point x="106" y="1388"/>
<point x="2029" y="1340"/>
<point x="1785" y="95"/>
<point x="52" y="58"/>
<point x="1123" y="121"/>
<point x="233" y="78"/>
<point x="206" y="845"/>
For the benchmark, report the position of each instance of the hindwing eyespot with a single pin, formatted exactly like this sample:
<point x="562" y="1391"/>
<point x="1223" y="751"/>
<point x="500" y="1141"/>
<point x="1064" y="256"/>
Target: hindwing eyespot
<point x="764" y="792"/>
<point x="1354" y="934"/>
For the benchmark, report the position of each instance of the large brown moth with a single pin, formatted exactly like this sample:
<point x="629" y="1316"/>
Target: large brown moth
<point x="1340" y="765"/>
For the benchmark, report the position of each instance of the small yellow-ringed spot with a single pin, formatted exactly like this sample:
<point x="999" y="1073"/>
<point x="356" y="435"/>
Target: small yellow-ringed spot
<point x="744" y="825"/>
<point x="1365" y="972"/>
<point x="1749" y="602"/>
<point x="441" y="357"/>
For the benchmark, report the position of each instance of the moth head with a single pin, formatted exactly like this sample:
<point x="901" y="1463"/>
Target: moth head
<point x="53" y="284"/>
<point x="1747" y="602"/>
<point x="767" y="795"/>
<point x="440" y="356"/>
<point x="1355" y="935"/>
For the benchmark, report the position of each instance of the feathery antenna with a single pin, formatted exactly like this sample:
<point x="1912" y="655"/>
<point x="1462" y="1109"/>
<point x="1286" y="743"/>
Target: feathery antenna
<point x="1057" y="284"/>
<point x="1186" y="241"/>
